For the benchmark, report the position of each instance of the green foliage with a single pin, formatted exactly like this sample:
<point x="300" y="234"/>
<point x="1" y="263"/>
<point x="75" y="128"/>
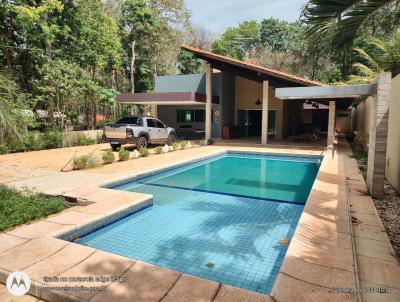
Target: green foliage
<point x="175" y="146"/>
<point x="84" y="140"/>
<point x="123" y="154"/>
<point x="108" y="157"/>
<point x="4" y="149"/>
<point x="357" y="154"/>
<point x="341" y="21"/>
<point x="144" y="152"/>
<point x="281" y="36"/>
<point x="210" y="141"/>
<point x="158" y="150"/>
<point x="92" y="161"/>
<point x="17" y="208"/>
<point x="238" y="42"/>
<point x="188" y="64"/>
<point x="52" y="139"/>
<point x="183" y="144"/>
<point x="80" y="162"/>
<point x="202" y="142"/>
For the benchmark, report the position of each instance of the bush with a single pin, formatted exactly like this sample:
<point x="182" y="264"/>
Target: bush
<point x="210" y="141"/>
<point x="183" y="144"/>
<point x="84" y="140"/>
<point x="99" y="138"/>
<point x="4" y="149"/>
<point x="80" y="162"/>
<point x="158" y="150"/>
<point x="86" y="161"/>
<point x="123" y="154"/>
<point x="175" y="146"/>
<point x="202" y="142"/>
<point x="108" y="157"/>
<point x="31" y="141"/>
<point x="52" y="139"/>
<point x="144" y="152"/>
<point x="18" y="208"/>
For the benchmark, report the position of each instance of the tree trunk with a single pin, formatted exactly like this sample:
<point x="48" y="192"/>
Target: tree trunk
<point x="133" y="67"/>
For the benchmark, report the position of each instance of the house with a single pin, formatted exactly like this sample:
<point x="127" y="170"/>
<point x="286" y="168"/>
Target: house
<point x="243" y="102"/>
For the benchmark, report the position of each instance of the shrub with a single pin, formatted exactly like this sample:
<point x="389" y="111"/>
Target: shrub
<point x="99" y="138"/>
<point x="175" y="146"/>
<point x="210" y="141"/>
<point x="108" y="157"/>
<point x="31" y="141"/>
<point x="183" y="144"/>
<point x="84" y="140"/>
<point x="52" y="139"/>
<point x="202" y="142"/>
<point x="4" y="149"/>
<point x="92" y="161"/>
<point x="144" y="152"/>
<point x="123" y="154"/>
<point x="80" y="162"/>
<point x="158" y="150"/>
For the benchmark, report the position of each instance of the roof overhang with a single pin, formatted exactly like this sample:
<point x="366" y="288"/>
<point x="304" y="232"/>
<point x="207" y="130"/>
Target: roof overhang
<point x="325" y="92"/>
<point x="250" y="71"/>
<point x="165" y="98"/>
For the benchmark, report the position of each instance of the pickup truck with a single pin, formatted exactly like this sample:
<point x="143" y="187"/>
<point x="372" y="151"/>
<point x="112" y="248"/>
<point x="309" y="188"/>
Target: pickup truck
<point x="138" y="130"/>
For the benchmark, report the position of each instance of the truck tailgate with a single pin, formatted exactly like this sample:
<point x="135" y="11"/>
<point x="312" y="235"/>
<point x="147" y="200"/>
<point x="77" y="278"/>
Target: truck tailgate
<point x="115" y="131"/>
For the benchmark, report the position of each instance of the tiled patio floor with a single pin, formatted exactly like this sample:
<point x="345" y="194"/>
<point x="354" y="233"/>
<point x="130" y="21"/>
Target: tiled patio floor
<point x="321" y="255"/>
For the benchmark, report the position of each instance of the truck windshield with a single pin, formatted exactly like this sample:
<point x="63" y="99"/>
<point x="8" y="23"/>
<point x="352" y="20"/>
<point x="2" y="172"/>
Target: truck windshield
<point x="130" y="120"/>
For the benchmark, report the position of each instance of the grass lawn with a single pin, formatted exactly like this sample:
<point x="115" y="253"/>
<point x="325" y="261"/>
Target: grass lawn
<point x="18" y="208"/>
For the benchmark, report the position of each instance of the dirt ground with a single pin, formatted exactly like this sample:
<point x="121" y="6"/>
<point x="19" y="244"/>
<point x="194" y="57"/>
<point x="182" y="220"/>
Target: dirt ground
<point x="389" y="211"/>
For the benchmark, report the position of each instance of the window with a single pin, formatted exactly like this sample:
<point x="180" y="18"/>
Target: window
<point x="192" y="115"/>
<point x="200" y="115"/>
<point x="185" y="115"/>
<point x="131" y="120"/>
<point x="150" y="123"/>
<point x="159" y="124"/>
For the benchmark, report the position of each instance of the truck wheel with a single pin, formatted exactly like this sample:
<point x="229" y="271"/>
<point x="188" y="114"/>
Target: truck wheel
<point x="115" y="147"/>
<point x="171" y="138"/>
<point x="143" y="142"/>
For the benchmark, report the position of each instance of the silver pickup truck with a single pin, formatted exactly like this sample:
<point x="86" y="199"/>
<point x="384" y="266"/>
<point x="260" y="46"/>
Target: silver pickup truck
<point x="138" y="130"/>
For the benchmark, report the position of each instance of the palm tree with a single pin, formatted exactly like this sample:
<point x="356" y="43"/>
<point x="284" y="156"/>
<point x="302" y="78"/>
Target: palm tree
<point x="340" y="20"/>
<point x="383" y="56"/>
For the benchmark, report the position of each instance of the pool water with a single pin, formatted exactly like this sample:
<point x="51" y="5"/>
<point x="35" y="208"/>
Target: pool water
<point x="220" y="219"/>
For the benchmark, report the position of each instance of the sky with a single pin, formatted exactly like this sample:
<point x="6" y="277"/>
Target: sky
<point x="217" y="15"/>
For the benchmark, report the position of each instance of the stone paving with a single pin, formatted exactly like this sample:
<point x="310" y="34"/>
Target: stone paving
<point x="327" y="250"/>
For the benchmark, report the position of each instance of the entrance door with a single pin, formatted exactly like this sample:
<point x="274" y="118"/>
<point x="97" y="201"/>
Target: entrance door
<point x="250" y="123"/>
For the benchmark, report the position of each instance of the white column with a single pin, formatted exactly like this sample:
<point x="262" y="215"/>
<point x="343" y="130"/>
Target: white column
<point x="378" y="136"/>
<point x="331" y="123"/>
<point x="208" y="100"/>
<point x="264" y="125"/>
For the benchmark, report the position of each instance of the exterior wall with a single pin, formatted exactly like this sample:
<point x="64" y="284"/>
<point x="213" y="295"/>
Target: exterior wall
<point x="343" y="121"/>
<point x="393" y="147"/>
<point x="362" y="119"/>
<point x="246" y="94"/>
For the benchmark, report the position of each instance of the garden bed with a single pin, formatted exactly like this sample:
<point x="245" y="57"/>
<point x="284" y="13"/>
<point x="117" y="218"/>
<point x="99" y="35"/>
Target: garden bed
<point x="20" y="207"/>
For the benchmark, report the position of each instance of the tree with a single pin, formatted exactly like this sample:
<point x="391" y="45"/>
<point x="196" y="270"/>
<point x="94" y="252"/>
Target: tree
<point x="11" y="109"/>
<point x="188" y="64"/>
<point x="384" y="56"/>
<point x="238" y="42"/>
<point x="341" y="21"/>
<point x="64" y="85"/>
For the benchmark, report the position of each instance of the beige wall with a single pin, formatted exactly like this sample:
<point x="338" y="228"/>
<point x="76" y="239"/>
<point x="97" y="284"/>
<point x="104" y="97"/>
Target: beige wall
<point x="361" y="123"/>
<point x="246" y="94"/>
<point x="393" y="148"/>
<point x="362" y="120"/>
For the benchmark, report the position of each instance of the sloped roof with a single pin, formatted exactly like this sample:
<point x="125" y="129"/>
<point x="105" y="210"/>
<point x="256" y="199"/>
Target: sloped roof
<point x="259" y="71"/>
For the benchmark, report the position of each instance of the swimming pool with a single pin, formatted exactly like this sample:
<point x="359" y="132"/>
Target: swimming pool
<point x="220" y="219"/>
